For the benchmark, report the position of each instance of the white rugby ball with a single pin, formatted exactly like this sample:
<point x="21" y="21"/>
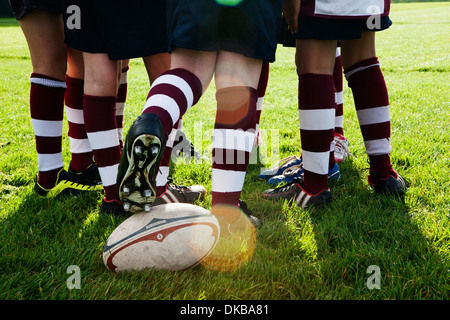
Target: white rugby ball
<point x="173" y="236"/>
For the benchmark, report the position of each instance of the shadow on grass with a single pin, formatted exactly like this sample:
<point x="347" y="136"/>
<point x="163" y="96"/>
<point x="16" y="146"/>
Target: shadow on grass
<point x="301" y="254"/>
<point x="361" y="229"/>
<point x="43" y="237"/>
<point x="331" y="250"/>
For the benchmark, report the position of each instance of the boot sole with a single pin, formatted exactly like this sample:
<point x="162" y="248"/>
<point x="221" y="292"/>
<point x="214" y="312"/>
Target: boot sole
<point x="137" y="189"/>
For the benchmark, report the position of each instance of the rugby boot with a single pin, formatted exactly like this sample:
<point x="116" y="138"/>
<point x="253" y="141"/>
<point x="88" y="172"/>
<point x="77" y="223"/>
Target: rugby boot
<point x="341" y="151"/>
<point x="113" y="207"/>
<point x="280" y="167"/>
<point x="89" y="176"/>
<point x="139" y="163"/>
<point x="66" y="184"/>
<point x="296" y="172"/>
<point x="390" y="186"/>
<point x="180" y="194"/>
<point x="294" y="191"/>
<point x="257" y="223"/>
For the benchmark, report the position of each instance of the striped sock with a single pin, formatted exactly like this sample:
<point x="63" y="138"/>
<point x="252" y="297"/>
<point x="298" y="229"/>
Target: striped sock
<point x="82" y="156"/>
<point x="120" y="103"/>
<point x="338" y="85"/>
<point x="372" y="107"/>
<point x="233" y="137"/>
<point x="171" y="95"/>
<point x="317" y="117"/>
<point x="47" y="111"/>
<point x="261" y="90"/>
<point x="100" y="121"/>
<point x="164" y="166"/>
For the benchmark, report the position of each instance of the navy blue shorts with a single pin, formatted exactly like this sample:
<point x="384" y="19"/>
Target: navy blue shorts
<point x="22" y="7"/>
<point x="328" y="29"/>
<point x="249" y="28"/>
<point x="122" y="29"/>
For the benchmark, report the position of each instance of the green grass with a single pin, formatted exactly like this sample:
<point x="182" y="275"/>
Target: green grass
<point x="301" y="254"/>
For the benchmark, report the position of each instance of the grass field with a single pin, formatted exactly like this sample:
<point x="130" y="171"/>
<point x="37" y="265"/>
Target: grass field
<point x="300" y="254"/>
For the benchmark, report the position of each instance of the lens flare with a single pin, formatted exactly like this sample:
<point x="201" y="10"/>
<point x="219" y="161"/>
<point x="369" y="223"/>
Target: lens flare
<point x="237" y="241"/>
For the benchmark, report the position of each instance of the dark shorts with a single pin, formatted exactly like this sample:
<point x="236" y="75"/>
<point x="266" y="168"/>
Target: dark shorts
<point x="329" y="29"/>
<point x="22" y="7"/>
<point x="122" y="29"/>
<point x="249" y="28"/>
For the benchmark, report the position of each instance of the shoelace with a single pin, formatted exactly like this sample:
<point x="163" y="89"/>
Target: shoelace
<point x="288" y="186"/>
<point x="285" y="162"/>
<point x="293" y="170"/>
<point x="175" y="186"/>
<point x="340" y="146"/>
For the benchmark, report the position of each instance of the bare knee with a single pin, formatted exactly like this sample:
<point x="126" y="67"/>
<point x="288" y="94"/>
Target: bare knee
<point x="101" y="75"/>
<point x="200" y="63"/>
<point x="156" y="64"/>
<point x="315" y="56"/>
<point x="235" y="69"/>
<point x="44" y="33"/>
<point x="354" y="51"/>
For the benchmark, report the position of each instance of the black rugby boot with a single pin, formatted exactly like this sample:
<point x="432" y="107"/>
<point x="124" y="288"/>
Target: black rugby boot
<point x="139" y="164"/>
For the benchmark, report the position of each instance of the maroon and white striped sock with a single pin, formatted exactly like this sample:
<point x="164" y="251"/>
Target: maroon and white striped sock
<point x="317" y="119"/>
<point x="233" y="138"/>
<point x="47" y="111"/>
<point x="171" y="95"/>
<point x="261" y="91"/>
<point x="372" y="107"/>
<point x="82" y="156"/>
<point x="164" y="166"/>
<point x="100" y="122"/>
<point x="121" y="101"/>
<point x="338" y="85"/>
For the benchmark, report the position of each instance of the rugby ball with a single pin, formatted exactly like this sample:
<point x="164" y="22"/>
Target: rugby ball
<point x="174" y="236"/>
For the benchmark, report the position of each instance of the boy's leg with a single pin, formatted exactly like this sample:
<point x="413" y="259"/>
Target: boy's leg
<point x="338" y="85"/>
<point x="261" y="91"/>
<point x="122" y="99"/>
<point x="370" y="94"/>
<point x="316" y="110"/>
<point x="165" y="192"/>
<point x="44" y="33"/>
<point x="170" y="96"/>
<point x="156" y="64"/>
<point x="48" y="57"/>
<point x="316" y="94"/>
<point x="81" y="151"/>
<point x="45" y="38"/>
<point x="233" y="138"/>
<point x="237" y="78"/>
<point x="340" y="142"/>
<point x="99" y="103"/>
